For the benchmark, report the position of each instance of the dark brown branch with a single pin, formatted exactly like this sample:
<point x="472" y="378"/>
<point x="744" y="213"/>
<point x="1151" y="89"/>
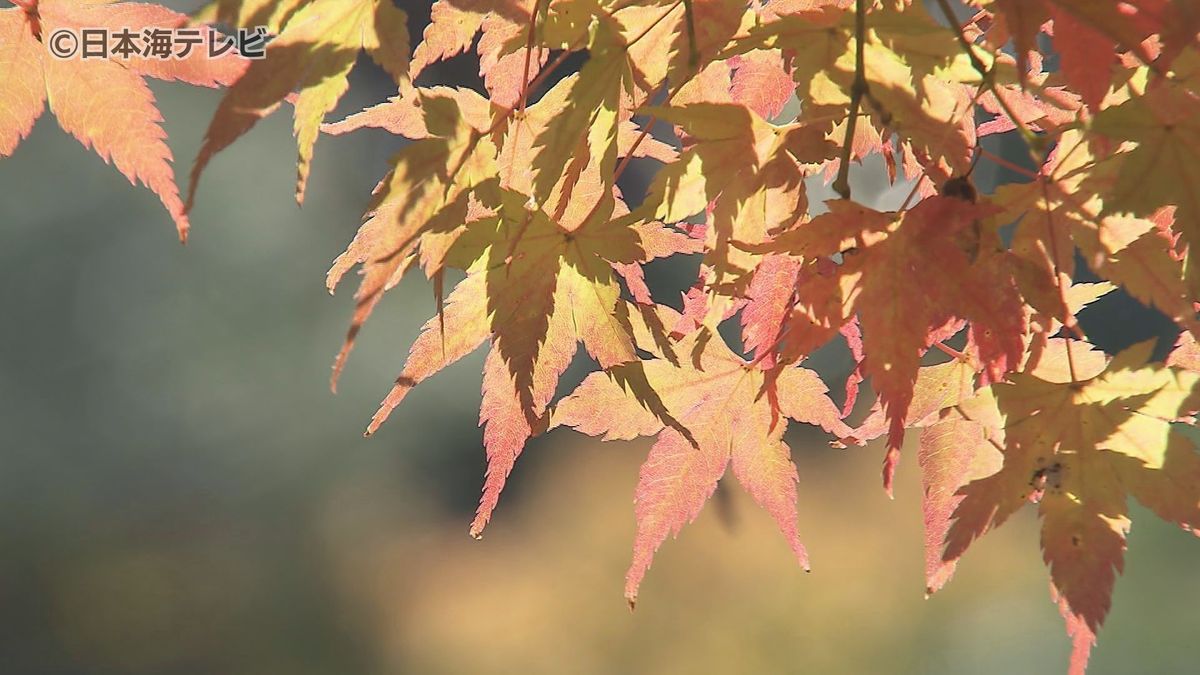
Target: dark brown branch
<point x="858" y="90"/>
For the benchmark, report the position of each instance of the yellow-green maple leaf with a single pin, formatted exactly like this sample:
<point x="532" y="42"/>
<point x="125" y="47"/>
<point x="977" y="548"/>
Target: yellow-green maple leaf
<point x="1164" y="168"/>
<point x="312" y="55"/>
<point x="535" y="289"/>
<point x="1078" y="442"/>
<point x="426" y="192"/>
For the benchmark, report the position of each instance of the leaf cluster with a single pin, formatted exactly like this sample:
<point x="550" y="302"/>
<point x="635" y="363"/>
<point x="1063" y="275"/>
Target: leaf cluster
<point x="740" y="106"/>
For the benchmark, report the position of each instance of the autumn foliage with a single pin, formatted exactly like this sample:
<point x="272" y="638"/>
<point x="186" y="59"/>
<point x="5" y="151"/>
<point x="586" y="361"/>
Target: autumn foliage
<point x="959" y="308"/>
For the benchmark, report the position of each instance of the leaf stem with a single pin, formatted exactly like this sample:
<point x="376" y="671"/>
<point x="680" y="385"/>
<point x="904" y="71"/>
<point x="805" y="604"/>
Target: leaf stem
<point x="1011" y="166"/>
<point x="646" y="129"/>
<point x="988" y="81"/>
<point x="690" y="19"/>
<point x="951" y="352"/>
<point x="537" y="7"/>
<point x="1069" y="320"/>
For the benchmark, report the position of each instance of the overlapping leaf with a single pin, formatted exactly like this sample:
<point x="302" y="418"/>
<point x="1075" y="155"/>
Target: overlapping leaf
<point x="312" y="57"/>
<point x="1088" y="35"/>
<point x="1077" y="442"/>
<point x="722" y="411"/>
<point x="912" y="279"/>
<point x="517" y="186"/>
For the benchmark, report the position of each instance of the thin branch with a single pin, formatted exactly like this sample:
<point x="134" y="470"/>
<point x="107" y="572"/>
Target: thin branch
<point x="646" y="130"/>
<point x="976" y="62"/>
<point x="857" y="90"/>
<point x="1000" y="161"/>
<point x="913" y="192"/>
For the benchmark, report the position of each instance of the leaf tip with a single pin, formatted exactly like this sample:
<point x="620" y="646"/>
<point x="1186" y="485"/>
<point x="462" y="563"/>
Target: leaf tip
<point x="889" y="470"/>
<point x="339" y="364"/>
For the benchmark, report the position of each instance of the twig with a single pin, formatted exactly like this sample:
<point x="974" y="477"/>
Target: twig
<point x="1000" y="161"/>
<point x="857" y="90"/>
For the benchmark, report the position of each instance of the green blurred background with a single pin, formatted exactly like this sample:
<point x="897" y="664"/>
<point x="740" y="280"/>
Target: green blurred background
<point x="180" y="493"/>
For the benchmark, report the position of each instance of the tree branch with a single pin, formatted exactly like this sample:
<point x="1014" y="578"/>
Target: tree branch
<point x="858" y="89"/>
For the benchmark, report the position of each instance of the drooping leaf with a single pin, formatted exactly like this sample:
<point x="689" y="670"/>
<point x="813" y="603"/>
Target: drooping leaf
<point x="1162" y="170"/>
<point x="909" y="276"/>
<point x="103" y="102"/>
<point x="312" y="56"/>
<point x="1077" y="443"/>
<point x="724" y="411"/>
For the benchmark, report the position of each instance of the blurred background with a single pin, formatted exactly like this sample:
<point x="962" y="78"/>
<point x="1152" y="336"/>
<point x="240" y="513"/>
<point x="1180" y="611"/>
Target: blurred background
<point x="180" y="493"/>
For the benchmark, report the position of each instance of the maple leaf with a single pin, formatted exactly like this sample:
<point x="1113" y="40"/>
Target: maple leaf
<point x="251" y="13"/>
<point x="1088" y="35"/>
<point x="761" y="82"/>
<point x="103" y="102"/>
<point x="723" y="410"/>
<point x="314" y="54"/>
<point x="769" y="299"/>
<point x="1064" y="207"/>
<point x="752" y="174"/>
<point x="404" y="115"/>
<point x="1077" y="440"/>
<point x="1162" y="169"/>
<point x="427" y="202"/>
<point x="518" y="189"/>
<point x="505" y="59"/>
<point x="536" y="289"/>
<point x="920" y="86"/>
<point x="911" y="279"/>
<point x="955" y="449"/>
<point x="811" y="39"/>
<point x="451" y="30"/>
<point x="425" y="195"/>
<point x="588" y="121"/>
<point x="1186" y="353"/>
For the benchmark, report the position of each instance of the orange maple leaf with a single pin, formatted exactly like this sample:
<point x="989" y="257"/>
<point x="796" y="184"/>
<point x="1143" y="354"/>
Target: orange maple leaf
<point x="912" y="278"/>
<point x="103" y="102"/>
<point x="712" y="409"/>
<point x="1088" y="35"/>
